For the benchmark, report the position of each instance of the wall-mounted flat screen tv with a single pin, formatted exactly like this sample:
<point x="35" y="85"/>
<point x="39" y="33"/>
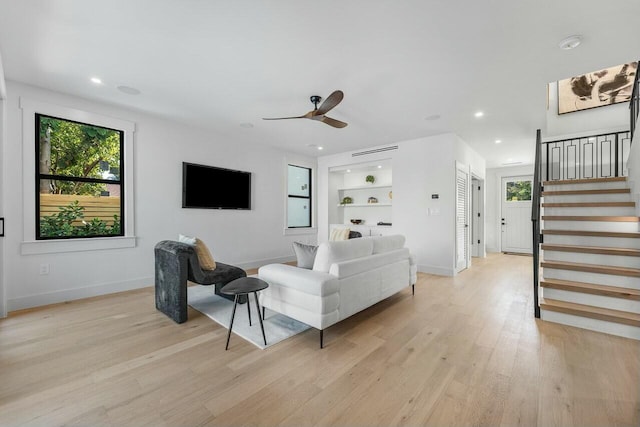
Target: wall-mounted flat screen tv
<point x="210" y="187"/>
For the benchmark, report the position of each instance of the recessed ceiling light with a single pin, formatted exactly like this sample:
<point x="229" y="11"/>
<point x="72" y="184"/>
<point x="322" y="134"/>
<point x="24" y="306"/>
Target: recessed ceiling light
<point x="128" y="90"/>
<point x="320" y="148"/>
<point x="432" y="117"/>
<point x="570" y="42"/>
<point x="479" y="114"/>
<point x="379" y="166"/>
<point x="348" y="170"/>
<point x="498" y="141"/>
<point x="96" y="80"/>
<point x="246" y="125"/>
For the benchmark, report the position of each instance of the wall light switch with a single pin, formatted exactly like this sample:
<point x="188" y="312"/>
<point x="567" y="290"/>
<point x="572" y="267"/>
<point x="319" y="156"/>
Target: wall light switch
<point x="44" y="269"/>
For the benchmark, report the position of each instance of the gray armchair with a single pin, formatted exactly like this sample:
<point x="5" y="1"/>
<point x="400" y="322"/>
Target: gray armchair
<point x="175" y="264"/>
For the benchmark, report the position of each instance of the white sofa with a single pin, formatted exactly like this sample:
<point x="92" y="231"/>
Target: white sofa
<point x="347" y="277"/>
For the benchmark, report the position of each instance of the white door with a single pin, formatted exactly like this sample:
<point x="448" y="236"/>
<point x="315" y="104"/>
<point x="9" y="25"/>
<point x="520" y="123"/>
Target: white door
<point x="475" y="217"/>
<point x="516" y="214"/>
<point x="462" y="220"/>
<point x="3" y="122"/>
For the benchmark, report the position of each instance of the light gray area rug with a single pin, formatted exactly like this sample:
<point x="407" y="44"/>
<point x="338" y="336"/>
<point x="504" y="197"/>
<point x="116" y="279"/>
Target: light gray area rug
<point x="277" y="327"/>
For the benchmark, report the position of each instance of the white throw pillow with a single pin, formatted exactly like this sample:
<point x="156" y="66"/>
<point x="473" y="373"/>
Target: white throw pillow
<point x="204" y="255"/>
<point x="305" y="254"/>
<point x="339" y="234"/>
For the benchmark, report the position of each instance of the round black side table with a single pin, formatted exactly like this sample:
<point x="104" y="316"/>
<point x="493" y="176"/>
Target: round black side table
<point x="245" y="286"/>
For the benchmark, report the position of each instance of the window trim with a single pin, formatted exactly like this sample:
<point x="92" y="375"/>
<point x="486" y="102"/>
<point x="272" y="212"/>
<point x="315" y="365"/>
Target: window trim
<point x="310" y="197"/>
<point x="31" y="245"/>
<point x="40" y="176"/>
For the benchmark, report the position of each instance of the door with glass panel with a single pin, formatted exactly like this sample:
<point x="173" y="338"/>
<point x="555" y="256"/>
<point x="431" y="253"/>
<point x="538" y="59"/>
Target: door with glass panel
<point x="515" y="221"/>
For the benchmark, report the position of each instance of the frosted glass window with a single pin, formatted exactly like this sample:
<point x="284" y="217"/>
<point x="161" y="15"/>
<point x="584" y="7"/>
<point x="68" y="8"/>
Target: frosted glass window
<point x="298" y="196"/>
<point x="299" y="181"/>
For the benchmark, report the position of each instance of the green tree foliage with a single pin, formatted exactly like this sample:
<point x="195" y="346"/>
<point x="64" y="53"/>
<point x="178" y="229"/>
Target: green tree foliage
<point x="61" y="224"/>
<point x="76" y="151"/>
<point x="518" y="191"/>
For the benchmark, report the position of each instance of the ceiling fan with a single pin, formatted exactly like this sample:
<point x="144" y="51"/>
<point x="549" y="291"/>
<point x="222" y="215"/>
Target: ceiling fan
<point x="318" y="113"/>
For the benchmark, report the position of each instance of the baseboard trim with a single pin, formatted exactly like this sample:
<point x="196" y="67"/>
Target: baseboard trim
<point x="77" y="293"/>
<point x="440" y="271"/>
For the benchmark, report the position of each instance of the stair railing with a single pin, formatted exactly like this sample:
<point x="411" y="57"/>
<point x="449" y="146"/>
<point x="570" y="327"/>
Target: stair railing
<point x="634" y="104"/>
<point x="535" y="220"/>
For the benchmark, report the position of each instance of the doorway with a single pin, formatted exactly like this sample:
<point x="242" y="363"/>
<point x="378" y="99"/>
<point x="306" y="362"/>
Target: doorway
<point x="477" y="218"/>
<point x="3" y="122"/>
<point x="516" y="228"/>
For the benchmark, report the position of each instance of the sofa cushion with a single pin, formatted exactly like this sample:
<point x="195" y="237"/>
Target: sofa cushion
<point x="331" y="252"/>
<point x="305" y="254"/>
<point x="204" y="255"/>
<point x="309" y="281"/>
<point x="360" y="265"/>
<point x="383" y="244"/>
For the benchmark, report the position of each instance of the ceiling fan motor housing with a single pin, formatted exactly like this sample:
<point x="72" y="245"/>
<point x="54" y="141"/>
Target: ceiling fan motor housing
<point x="315" y="99"/>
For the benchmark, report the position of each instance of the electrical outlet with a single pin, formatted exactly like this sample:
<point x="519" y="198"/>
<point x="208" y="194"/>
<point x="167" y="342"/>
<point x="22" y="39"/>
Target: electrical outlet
<point x="44" y="269"/>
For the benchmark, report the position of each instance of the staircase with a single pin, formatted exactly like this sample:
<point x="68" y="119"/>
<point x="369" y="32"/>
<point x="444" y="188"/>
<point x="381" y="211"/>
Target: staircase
<point x="591" y="256"/>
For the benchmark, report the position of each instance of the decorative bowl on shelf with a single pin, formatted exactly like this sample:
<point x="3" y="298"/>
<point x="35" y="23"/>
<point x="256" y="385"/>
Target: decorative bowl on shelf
<point x="372" y="200"/>
<point x="356" y="221"/>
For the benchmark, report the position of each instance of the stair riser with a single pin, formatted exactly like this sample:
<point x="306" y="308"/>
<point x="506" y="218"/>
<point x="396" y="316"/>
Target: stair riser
<point x="597" y="278"/>
<point x="598" y="259"/>
<point x="626" y="227"/>
<point x="591" y="211"/>
<point x="625" y="197"/>
<point x="589" y="186"/>
<point x="614" y="242"/>
<point x="612" y="328"/>
<point x="593" y="300"/>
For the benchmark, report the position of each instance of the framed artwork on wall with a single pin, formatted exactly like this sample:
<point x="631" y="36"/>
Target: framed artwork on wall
<point x="596" y="89"/>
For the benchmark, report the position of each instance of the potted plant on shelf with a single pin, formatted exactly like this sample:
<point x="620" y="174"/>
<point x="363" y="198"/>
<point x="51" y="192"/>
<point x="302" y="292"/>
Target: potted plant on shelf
<point x="346" y="200"/>
<point x="370" y="179"/>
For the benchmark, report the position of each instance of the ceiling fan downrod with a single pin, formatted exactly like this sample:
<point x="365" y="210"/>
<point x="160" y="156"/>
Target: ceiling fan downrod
<point x="315" y="99"/>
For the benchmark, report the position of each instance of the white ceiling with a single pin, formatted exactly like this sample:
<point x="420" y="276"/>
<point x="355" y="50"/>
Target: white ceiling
<point x="216" y="64"/>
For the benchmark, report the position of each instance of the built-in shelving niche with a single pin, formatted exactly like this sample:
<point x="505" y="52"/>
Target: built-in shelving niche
<point x="350" y="181"/>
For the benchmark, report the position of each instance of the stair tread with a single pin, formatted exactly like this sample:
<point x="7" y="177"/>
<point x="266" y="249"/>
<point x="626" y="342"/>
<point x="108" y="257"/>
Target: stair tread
<point x="625" y="234"/>
<point x="578" y="192"/>
<point x="592" y="288"/>
<point x="589" y="205"/>
<point x="594" y="268"/>
<point x="591" y="249"/>
<point x="606" y="218"/>
<point x="601" y="313"/>
<point x="585" y="180"/>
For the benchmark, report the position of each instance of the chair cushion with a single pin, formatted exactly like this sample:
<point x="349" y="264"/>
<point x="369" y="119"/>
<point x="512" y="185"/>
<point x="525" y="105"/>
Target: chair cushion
<point x="204" y="255"/>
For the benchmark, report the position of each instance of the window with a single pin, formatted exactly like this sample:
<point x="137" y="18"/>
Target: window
<point x="298" y="197"/>
<point x="518" y="191"/>
<point x="79" y="179"/>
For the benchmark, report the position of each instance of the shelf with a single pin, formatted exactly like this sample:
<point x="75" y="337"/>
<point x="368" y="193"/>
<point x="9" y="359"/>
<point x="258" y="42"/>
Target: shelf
<point x="365" y="187"/>
<point x="361" y="205"/>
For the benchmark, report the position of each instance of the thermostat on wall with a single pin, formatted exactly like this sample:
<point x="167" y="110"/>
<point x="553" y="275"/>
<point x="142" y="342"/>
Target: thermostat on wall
<point x="435" y="196"/>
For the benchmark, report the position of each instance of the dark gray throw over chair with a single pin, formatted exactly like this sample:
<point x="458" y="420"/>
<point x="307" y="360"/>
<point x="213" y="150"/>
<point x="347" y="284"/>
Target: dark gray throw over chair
<point x="175" y="264"/>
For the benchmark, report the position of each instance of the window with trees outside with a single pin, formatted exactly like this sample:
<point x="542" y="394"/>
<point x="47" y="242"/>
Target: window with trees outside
<point x="518" y="191"/>
<point x="299" y="197"/>
<point x="79" y="179"/>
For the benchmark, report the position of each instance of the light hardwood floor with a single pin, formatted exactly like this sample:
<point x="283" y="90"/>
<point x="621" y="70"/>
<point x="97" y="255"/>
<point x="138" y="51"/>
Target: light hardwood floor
<point x="462" y="351"/>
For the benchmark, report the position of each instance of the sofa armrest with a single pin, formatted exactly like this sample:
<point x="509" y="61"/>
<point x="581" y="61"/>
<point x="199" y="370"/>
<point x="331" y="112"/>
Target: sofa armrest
<point x="360" y="265"/>
<point x="308" y="281"/>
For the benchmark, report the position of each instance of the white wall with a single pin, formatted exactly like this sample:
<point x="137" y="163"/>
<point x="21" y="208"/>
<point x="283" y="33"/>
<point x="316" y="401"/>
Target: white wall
<point x="243" y="238"/>
<point x="594" y="121"/>
<point x="493" y="208"/>
<point x="420" y="168"/>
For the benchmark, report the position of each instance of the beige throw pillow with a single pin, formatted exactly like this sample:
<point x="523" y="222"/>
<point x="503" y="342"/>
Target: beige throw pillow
<point x="204" y="255"/>
<point x="339" y="234"/>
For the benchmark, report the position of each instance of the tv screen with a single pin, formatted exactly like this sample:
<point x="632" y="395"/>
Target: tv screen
<point x="210" y="187"/>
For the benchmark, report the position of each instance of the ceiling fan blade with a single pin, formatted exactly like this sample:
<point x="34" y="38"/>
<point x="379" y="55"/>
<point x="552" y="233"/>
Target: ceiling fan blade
<point x="283" y="118"/>
<point x="332" y="100"/>
<point x="333" y="122"/>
